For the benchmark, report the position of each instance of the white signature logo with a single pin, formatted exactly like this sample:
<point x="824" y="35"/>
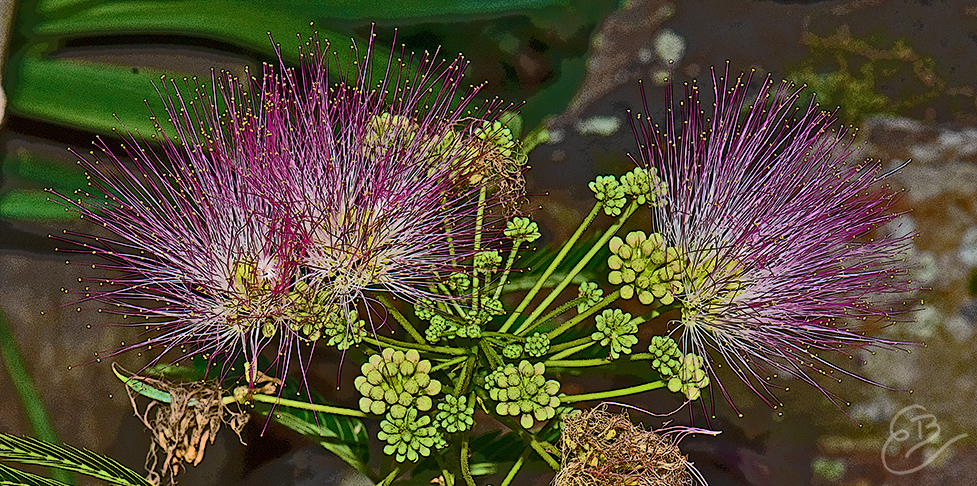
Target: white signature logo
<point x="927" y="431"/>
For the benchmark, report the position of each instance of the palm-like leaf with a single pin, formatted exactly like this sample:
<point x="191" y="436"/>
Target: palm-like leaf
<point x="27" y="450"/>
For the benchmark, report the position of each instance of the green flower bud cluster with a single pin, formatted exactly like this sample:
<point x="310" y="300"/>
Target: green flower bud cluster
<point x="614" y="328"/>
<point x="523" y="391"/>
<point x="644" y="186"/>
<point x="471" y="330"/>
<point x="667" y="356"/>
<point x="522" y="230"/>
<point x="441" y="327"/>
<point x="512" y="351"/>
<point x="455" y="414"/>
<point x="459" y="282"/>
<point x="644" y="266"/>
<point x="398" y="381"/>
<point x="408" y="437"/>
<point x="592" y="293"/>
<point x="392" y="130"/>
<point x="487" y="261"/>
<point x="537" y="345"/>
<point x="609" y="192"/>
<point x="342" y="333"/>
<point x="425" y="309"/>
<point x="493" y="307"/>
<point x="500" y="136"/>
<point x="704" y="276"/>
<point x="690" y="377"/>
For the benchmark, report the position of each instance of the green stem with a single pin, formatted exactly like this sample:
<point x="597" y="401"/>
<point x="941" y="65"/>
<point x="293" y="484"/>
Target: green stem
<point x="449" y="363"/>
<point x="576" y="363"/>
<point x="538" y="445"/>
<point x="449" y="479"/>
<point x="556" y="348"/>
<point x="559" y="310"/>
<point x="466" y="471"/>
<point x="379" y="338"/>
<point x="632" y="207"/>
<point x="504" y="336"/>
<point x="466" y="374"/>
<point x="587" y="313"/>
<point x="515" y="467"/>
<point x="550" y="269"/>
<point x="479" y="217"/>
<point x="401" y="319"/>
<point x="493" y="358"/>
<point x="445" y="308"/>
<point x="285" y="402"/>
<point x="620" y="392"/>
<point x="29" y="397"/>
<point x="389" y="479"/>
<point x="572" y="351"/>
<point x="508" y="268"/>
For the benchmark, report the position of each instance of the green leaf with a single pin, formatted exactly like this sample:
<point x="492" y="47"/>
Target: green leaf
<point x="27" y="450"/>
<point x="32" y="205"/>
<point x="313" y="9"/>
<point x="83" y="94"/>
<point x="344" y="436"/>
<point x="11" y="476"/>
<point x="245" y="24"/>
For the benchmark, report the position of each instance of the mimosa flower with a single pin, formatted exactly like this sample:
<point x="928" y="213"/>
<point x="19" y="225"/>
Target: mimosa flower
<point x="780" y="227"/>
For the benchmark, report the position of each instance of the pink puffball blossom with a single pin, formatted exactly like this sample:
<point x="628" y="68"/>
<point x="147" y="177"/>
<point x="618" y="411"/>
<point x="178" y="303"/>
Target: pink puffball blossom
<point x="780" y="229"/>
<point x="281" y="200"/>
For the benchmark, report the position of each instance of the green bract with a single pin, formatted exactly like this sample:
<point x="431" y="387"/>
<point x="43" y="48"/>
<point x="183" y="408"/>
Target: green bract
<point x="521" y="229"/>
<point x="523" y="391"/>
<point x="690" y="377"/>
<point x="644" y="266"/>
<point x="609" y="192"/>
<point x="455" y="414"/>
<point x="396" y="378"/>
<point x="667" y="356"/>
<point x="408" y="437"/>
<point x="614" y="328"/>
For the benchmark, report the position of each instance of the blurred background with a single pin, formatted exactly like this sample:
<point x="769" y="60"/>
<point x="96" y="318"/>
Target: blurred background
<point x="903" y="71"/>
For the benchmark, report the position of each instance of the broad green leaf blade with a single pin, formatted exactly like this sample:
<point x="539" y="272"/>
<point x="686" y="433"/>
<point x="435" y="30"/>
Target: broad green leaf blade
<point x="344" y="9"/>
<point x="27" y="450"/>
<point x="40" y="172"/>
<point x="245" y="24"/>
<point x="83" y="94"/>
<point x="325" y="434"/>
<point x="26" y="175"/>
<point x="32" y="205"/>
<point x="344" y="436"/>
<point x="11" y="476"/>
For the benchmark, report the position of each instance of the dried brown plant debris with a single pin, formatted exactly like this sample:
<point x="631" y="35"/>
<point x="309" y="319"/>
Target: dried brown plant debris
<point x="183" y="427"/>
<point x="605" y="449"/>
